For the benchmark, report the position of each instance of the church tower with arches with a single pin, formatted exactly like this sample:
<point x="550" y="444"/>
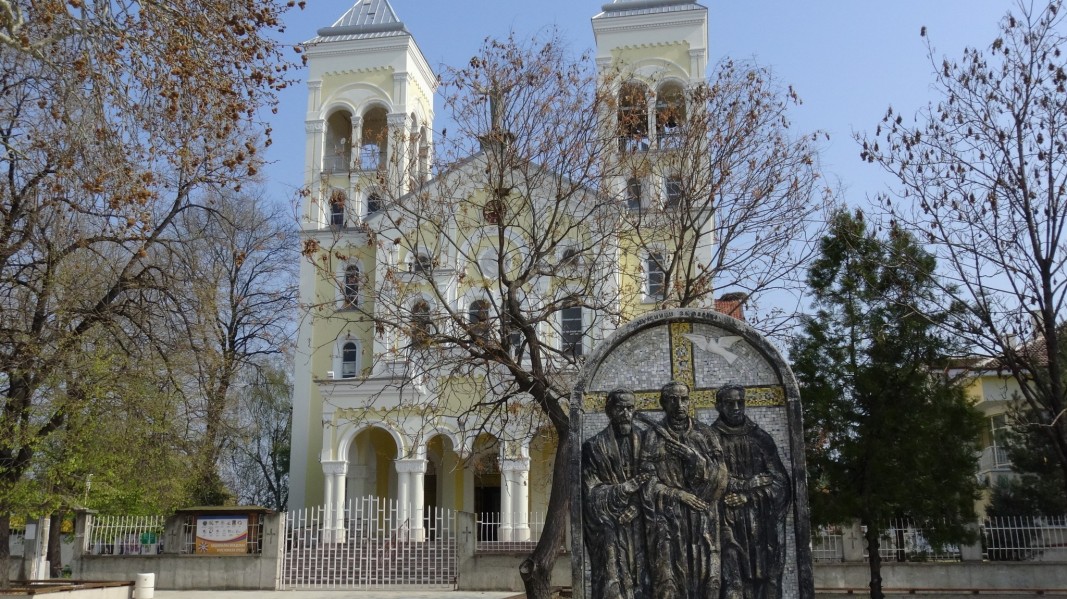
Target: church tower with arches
<point x="357" y="425"/>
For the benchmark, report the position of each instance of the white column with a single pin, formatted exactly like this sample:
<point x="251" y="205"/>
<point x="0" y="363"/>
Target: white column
<point x="517" y="472"/>
<point x="504" y="534"/>
<point x="333" y="524"/>
<point x="697" y="65"/>
<point x="340" y="492"/>
<point x="397" y="146"/>
<point x="314" y="128"/>
<point x="413" y="471"/>
<point x="357" y="144"/>
<point x="402" y="495"/>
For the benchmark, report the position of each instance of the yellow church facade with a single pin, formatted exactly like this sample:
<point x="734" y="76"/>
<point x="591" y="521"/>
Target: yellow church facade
<point x="372" y="413"/>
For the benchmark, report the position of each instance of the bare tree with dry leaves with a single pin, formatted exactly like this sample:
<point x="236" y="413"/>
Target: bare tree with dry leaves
<point x="983" y="180"/>
<point x="114" y="118"/>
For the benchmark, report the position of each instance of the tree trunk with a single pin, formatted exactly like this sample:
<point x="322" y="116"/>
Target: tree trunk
<point x="875" y="561"/>
<point x="536" y="570"/>
<point x="5" y="550"/>
<point x="55" y="536"/>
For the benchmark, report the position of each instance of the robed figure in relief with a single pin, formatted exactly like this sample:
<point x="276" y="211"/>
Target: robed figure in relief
<point x="687" y="477"/>
<point x="614" y="531"/>
<point x="755" y="504"/>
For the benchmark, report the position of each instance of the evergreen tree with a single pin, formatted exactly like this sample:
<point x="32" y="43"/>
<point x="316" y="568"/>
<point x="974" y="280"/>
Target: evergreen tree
<point x="888" y="434"/>
<point x="1030" y="440"/>
<point x="1038" y="487"/>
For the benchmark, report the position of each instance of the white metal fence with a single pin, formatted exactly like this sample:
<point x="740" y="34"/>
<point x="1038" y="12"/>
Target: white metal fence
<point x="1025" y="538"/>
<point x="143" y="535"/>
<point x="379" y="544"/>
<point x="902" y="542"/>
<point x="125" y="535"/>
<point x="517" y="534"/>
<point x="827" y="544"/>
<point x="1038" y="538"/>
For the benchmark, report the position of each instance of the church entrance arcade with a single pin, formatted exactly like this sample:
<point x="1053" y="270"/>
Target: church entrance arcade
<point x="392" y="500"/>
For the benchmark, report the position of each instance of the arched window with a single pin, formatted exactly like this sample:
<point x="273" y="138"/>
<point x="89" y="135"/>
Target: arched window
<point x="655" y="274"/>
<point x="349" y="360"/>
<point x="350" y="286"/>
<point x="633" y="193"/>
<point x="478" y="316"/>
<point x="493" y="211"/>
<point x="422" y="261"/>
<point x="633" y="117"/>
<point x="571" y="258"/>
<point x="675" y="192"/>
<point x="375" y="142"/>
<point x="338" y="151"/>
<point x="374" y="204"/>
<point x="422" y="328"/>
<point x="515" y="340"/>
<point x="572" y="331"/>
<point x="338" y="199"/>
<point x="670" y="110"/>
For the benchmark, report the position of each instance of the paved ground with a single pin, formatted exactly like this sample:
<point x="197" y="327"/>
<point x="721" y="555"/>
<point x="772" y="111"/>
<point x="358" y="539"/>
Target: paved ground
<point x="485" y="595"/>
<point x="331" y="595"/>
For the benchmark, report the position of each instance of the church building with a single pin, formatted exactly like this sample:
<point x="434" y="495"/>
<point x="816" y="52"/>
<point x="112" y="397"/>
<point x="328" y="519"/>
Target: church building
<point x="365" y="422"/>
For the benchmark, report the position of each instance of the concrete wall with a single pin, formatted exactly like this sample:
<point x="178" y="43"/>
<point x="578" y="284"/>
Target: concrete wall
<point x="184" y="572"/>
<point x="960" y="575"/>
<point x="14" y="568"/>
<point x="500" y="572"/>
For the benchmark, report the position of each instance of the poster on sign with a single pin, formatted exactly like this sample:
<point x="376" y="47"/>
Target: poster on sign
<point x="221" y="534"/>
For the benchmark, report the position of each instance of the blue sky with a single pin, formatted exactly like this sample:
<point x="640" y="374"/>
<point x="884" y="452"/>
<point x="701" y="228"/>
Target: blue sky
<point x="848" y="59"/>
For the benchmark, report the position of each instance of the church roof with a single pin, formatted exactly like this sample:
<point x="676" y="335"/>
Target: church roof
<point x="618" y="8"/>
<point x="366" y="19"/>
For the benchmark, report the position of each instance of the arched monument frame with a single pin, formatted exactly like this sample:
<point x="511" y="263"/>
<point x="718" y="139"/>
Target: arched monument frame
<point x="790" y="390"/>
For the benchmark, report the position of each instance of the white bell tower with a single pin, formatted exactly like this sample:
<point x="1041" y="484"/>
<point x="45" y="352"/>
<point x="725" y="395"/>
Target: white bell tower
<point x="369" y="140"/>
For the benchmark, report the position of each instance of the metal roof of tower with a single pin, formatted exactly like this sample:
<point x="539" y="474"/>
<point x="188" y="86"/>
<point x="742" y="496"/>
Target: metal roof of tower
<point x="366" y="19"/>
<point x="646" y="7"/>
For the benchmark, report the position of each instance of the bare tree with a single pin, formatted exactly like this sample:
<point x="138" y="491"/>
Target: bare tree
<point x="256" y="459"/>
<point x="983" y="176"/>
<point x="724" y="183"/>
<point x="495" y="278"/>
<point x="113" y="116"/>
<point x="238" y="260"/>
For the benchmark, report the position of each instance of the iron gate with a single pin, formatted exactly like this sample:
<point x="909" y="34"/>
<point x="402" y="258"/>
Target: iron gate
<point x="378" y="546"/>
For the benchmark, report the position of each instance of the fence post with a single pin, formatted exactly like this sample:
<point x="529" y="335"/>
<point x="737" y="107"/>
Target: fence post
<point x="174" y="533"/>
<point x="972" y="552"/>
<point x="852" y="542"/>
<point x="83" y="530"/>
<point x="466" y="539"/>
<point x="272" y="552"/>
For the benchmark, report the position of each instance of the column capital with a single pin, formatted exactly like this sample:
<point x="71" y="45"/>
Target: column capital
<point x="515" y="465"/>
<point x="315" y="126"/>
<point x="396" y="119"/>
<point x="334" y="467"/>
<point x="314" y="83"/>
<point x="417" y="466"/>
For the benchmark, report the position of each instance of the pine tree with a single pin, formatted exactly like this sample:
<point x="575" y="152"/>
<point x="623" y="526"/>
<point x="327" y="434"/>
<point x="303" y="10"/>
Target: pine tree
<point x="888" y="434"/>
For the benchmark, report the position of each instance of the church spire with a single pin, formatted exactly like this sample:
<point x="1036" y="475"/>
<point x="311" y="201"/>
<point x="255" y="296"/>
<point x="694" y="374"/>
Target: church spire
<point x="367" y="18"/>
